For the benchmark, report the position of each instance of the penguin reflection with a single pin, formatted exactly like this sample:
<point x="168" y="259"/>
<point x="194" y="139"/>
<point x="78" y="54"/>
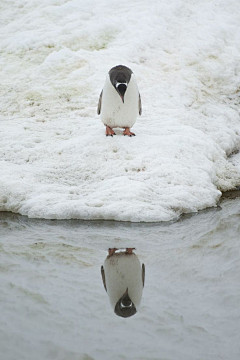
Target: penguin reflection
<point x="123" y="278"/>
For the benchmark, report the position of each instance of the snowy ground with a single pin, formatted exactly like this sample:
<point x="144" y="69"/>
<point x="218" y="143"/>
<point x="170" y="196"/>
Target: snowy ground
<point x="55" y="159"/>
<point x="54" y="306"/>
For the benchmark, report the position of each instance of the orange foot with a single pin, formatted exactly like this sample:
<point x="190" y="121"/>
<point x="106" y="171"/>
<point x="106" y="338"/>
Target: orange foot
<point x="109" y="131"/>
<point x="111" y="251"/>
<point x="130" y="250"/>
<point x="128" y="132"/>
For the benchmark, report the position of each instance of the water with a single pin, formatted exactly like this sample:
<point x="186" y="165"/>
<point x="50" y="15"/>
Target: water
<point x="53" y="304"/>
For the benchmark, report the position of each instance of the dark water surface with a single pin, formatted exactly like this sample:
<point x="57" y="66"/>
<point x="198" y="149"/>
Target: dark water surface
<point x="54" y="306"/>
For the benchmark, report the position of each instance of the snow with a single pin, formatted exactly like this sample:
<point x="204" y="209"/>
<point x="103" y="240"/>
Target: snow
<point x="56" y="162"/>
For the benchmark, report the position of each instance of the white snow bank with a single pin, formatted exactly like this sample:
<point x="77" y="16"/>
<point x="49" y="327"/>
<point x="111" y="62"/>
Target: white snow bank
<point x="55" y="161"/>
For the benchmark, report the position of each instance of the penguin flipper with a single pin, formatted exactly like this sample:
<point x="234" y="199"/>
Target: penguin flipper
<point x="140" y="105"/>
<point x="103" y="277"/>
<point x="99" y="104"/>
<point x="143" y="274"/>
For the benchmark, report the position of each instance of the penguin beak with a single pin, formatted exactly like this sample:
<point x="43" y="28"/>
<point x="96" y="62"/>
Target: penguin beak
<point x="121" y="89"/>
<point x="126" y="301"/>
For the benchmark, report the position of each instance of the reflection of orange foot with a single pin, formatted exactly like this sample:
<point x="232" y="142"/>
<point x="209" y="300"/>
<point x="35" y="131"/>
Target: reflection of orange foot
<point x="128" y="132"/>
<point x="111" y="251"/>
<point x="130" y="250"/>
<point x="109" y="131"/>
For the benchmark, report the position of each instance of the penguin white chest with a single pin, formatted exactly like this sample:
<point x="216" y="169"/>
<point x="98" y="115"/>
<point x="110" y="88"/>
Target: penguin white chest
<point x="116" y="112"/>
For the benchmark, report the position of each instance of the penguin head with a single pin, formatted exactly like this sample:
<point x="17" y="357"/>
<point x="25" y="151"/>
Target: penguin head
<point x="125" y="307"/>
<point x="120" y="77"/>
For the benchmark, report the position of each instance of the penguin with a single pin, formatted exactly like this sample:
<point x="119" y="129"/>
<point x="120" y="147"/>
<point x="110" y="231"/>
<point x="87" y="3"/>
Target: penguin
<point x="119" y="102"/>
<point x="123" y="279"/>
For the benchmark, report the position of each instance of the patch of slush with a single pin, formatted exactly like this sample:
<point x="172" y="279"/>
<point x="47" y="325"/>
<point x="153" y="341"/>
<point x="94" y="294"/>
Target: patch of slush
<point x="56" y="162"/>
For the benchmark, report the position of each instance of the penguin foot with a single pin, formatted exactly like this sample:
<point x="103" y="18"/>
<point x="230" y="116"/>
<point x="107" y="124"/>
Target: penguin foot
<point x="109" y="131"/>
<point x="130" y="250"/>
<point x="128" y="132"/>
<point x="111" y="251"/>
